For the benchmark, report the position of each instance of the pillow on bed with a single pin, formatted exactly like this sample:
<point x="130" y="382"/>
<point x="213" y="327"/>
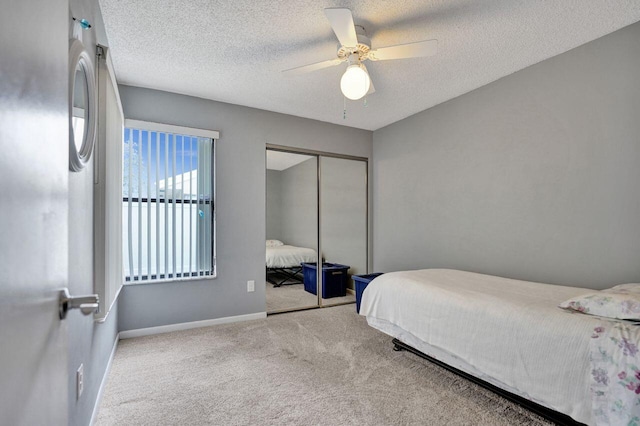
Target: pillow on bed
<point x="274" y="243"/>
<point x="633" y="288"/>
<point x="620" y="302"/>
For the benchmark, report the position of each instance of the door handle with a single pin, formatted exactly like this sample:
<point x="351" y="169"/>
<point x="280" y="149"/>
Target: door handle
<point x="87" y="304"/>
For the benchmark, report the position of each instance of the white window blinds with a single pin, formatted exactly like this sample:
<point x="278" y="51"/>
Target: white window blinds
<point x="167" y="204"/>
<point x="107" y="199"/>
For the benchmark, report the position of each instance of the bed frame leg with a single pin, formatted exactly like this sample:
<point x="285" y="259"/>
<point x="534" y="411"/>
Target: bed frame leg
<point x="397" y="346"/>
<point x="291" y="276"/>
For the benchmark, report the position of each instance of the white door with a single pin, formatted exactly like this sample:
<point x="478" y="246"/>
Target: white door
<point x="33" y="211"/>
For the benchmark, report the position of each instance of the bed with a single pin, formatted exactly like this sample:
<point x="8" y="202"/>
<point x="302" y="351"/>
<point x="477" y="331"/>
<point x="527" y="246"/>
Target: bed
<point x="283" y="262"/>
<point x="507" y="333"/>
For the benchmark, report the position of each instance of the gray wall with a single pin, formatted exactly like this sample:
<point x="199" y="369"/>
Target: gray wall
<point x="300" y="204"/>
<point x="90" y="343"/>
<point x="240" y="192"/>
<point x="535" y="176"/>
<point x="274" y="203"/>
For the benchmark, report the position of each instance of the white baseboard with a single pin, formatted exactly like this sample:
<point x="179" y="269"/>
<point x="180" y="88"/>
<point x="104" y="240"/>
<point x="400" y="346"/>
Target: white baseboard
<point x="103" y="382"/>
<point x="128" y="334"/>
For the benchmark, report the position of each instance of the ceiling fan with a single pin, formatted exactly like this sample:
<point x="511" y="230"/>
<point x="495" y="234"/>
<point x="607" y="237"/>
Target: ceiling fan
<point x="355" y="48"/>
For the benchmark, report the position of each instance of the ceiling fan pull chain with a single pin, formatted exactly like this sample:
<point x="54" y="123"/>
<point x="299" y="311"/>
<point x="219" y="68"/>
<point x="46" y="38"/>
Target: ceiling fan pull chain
<point x="365" y="102"/>
<point x="344" y="108"/>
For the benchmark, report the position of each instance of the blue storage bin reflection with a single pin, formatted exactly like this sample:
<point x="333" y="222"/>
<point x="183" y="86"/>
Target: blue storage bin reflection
<point x="334" y="277"/>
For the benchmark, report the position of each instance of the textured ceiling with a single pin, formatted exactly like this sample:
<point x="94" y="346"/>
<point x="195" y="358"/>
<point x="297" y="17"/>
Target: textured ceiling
<point x="234" y="51"/>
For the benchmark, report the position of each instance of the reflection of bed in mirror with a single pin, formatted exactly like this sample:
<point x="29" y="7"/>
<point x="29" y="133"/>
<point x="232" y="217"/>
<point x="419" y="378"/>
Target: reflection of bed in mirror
<point x="283" y="262"/>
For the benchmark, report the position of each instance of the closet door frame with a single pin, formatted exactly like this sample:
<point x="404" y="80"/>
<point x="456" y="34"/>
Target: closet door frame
<point x="319" y="155"/>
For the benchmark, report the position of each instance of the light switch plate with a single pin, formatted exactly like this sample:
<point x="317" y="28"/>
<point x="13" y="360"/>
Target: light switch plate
<point x="251" y="286"/>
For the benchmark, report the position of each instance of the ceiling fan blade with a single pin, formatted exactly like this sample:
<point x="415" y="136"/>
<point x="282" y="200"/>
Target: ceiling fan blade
<point x="372" y="89"/>
<point x="402" y="51"/>
<point x="341" y="21"/>
<point x="313" y="67"/>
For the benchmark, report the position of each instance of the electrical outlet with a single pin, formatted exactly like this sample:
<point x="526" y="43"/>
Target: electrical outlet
<point x="251" y="286"/>
<point x="79" y="381"/>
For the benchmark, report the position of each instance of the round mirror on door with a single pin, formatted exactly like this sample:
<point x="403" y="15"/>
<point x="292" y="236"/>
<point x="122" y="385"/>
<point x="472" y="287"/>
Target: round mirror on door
<point x="82" y="110"/>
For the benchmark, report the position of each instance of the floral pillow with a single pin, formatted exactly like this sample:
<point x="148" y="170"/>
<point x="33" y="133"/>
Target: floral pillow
<point x="274" y="243"/>
<point x="620" y="302"/>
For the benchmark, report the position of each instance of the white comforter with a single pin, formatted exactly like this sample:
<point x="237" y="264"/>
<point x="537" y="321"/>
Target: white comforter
<point x="507" y="332"/>
<point x="289" y="256"/>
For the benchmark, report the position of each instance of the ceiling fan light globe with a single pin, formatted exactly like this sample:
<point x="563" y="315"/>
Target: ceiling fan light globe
<point x="355" y="82"/>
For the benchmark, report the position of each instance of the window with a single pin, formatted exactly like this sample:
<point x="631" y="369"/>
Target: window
<point x="168" y="203"/>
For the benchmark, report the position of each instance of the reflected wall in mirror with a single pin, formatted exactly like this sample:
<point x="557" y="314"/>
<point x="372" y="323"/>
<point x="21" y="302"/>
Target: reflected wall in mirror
<point x="343" y="224"/>
<point x="82" y="109"/>
<point x="291" y="228"/>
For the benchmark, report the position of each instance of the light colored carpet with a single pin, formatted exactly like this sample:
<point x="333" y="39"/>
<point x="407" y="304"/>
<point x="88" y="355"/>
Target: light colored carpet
<point x="294" y="296"/>
<point x="288" y="297"/>
<point x="317" y="367"/>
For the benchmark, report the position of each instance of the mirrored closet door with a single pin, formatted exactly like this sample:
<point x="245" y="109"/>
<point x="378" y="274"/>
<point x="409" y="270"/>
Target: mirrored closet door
<point x="292" y="229"/>
<point x="343" y="226"/>
<point x="311" y="194"/>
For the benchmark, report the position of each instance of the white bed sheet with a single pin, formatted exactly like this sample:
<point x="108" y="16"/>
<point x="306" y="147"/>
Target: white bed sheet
<point x="289" y="256"/>
<point x="507" y="332"/>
